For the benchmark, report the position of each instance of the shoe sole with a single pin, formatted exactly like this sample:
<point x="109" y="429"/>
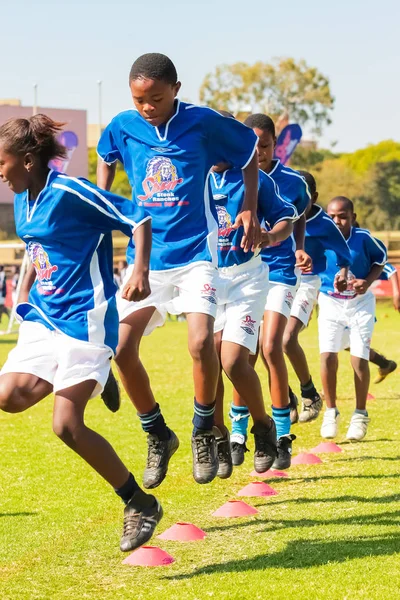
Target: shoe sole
<point x="158" y="483"/>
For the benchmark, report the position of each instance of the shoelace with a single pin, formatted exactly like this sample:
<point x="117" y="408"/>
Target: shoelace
<point x="203" y="449"/>
<point x="223" y="449"/>
<point x="263" y="445"/>
<point x="155" y="451"/>
<point x="131" y="522"/>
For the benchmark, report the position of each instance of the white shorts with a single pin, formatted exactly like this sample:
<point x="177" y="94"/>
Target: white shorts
<point x="306" y="298"/>
<point x="241" y="298"/>
<point x="346" y="323"/>
<point x="57" y="358"/>
<point x="190" y="289"/>
<point x="280" y="298"/>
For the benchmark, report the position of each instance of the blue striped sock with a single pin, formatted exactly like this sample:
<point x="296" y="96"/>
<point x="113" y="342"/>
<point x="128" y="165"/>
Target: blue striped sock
<point x="153" y="422"/>
<point x="281" y="417"/>
<point x="239" y="415"/>
<point x="203" y="417"/>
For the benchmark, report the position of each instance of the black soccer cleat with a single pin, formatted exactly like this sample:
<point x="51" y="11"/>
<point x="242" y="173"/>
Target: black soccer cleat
<point x="265" y="446"/>
<point x="141" y="515"/>
<point x="284" y="447"/>
<point x="205" y="456"/>
<point x="311" y="408"/>
<point x="238" y="450"/>
<point x="111" y="395"/>
<point x="225" y="466"/>
<point x="159" y="453"/>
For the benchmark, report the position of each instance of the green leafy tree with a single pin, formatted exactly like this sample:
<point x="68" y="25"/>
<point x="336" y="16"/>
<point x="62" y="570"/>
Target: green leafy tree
<point x="363" y="160"/>
<point x="284" y="86"/>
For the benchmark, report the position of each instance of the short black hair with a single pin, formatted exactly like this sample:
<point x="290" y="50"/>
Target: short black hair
<point x="312" y="184"/>
<point x="154" y="66"/>
<point x="346" y="201"/>
<point x="261" y="121"/>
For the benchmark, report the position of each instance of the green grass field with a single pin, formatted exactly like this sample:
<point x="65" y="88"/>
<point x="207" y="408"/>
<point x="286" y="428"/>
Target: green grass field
<point x="331" y="532"/>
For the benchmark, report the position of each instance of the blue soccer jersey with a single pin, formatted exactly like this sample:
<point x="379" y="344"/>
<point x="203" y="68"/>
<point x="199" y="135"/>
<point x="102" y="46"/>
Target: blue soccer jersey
<point x="67" y="232"/>
<point x="388" y="271"/>
<point x="228" y="192"/>
<point x="365" y="251"/>
<point x="322" y="234"/>
<point x="281" y="258"/>
<point x="168" y="168"/>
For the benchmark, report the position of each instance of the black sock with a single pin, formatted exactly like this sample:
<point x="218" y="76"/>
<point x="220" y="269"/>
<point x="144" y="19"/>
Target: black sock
<point x="153" y="422"/>
<point x="203" y="417"/>
<point x="292" y="395"/>
<point x="308" y="389"/>
<point x="128" y="489"/>
<point x="379" y="359"/>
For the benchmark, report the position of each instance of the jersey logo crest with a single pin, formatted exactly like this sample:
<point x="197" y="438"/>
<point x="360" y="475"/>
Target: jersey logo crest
<point x="224" y="221"/>
<point x="160" y="181"/>
<point x="43" y="268"/>
<point x="248" y="325"/>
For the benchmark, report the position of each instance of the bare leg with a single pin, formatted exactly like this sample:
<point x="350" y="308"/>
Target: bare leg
<point x="205" y="360"/>
<point x="133" y="374"/>
<point x="236" y="399"/>
<point x="20" y="391"/>
<point x="69" y="426"/>
<point x="273" y="330"/>
<point x="361" y="380"/>
<point x="219" y="397"/>
<point x="294" y="351"/>
<point x="329" y="367"/>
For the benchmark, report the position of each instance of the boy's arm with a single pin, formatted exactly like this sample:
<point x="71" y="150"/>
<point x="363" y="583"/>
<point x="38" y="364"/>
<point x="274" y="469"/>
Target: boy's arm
<point x="27" y="283"/>
<point x="137" y="287"/>
<point x="303" y="260"/>
<point x="394" y="279"/>
<point x="278" y="233"/>
<point x="248" y="214"/>
<point x="362" y="285"/>
<point x="105" y="174"/>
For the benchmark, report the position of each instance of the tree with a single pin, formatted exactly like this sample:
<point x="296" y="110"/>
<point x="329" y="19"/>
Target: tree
<point x="283" y="86"/>
<point x="120" y="184"/>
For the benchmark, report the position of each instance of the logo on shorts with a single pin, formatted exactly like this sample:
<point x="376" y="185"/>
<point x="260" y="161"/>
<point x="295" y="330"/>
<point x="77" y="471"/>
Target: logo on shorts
<point x="304" y="304"/>
<point x="248" y="325"/>
<point x="289" y="299"/>
<point x="160" y="182"/>
<point x="209" y="293"/>
<point x="43" y="268"/>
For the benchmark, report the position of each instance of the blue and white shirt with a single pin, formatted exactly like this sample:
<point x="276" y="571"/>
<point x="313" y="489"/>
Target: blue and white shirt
<point x="365" y="251"/>
<point x="388" y="271"/>
<point x="281" y="258"/>
<point x="228" y="191"/>
<point x="168" y="168"/>
<point x="322" y="234"/>
<point x="67" y="232"/>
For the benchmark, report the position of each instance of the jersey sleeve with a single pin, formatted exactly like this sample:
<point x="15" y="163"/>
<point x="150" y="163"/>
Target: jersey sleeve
<point x="303" y="197"/>
<point x="376" y="250"/>
<point x="102" y="209"/>
<point x="107" y="148"/>
<point x="332" y="239"/>
<point x="388" y="272"/>
<point x="228" y="139"/>
<point x="272" y="208"/>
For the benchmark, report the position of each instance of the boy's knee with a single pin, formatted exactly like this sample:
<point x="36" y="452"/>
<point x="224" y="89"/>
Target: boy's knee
<point x="272" y="350"/>
<point x="289" y="342"/>
<point x="8" y="397"/>
<point x="329" y="359"/>
<point x="201" y="344"/>
<point x="65" y="430"/>
<point x="233" y="367"/>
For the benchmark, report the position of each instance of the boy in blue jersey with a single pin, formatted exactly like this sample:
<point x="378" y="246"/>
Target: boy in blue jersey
<point x="168" y="148"/>
<point x="242" y="290"/>
<point x="69" y="327"/>
<point x="285" y="260"/>
<point x="348" y="316"/>
<point x="321" y="235"/>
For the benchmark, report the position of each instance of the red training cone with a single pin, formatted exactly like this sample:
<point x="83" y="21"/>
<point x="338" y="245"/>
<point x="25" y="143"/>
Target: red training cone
<point x="269" y="474"/>
<point x="235" y="508"/>
<point x="149" y="556"/>
<point x="370" y="396"/>
<point x="326" y="447"/>
<point x="257" y="488"/>
<point x="183" y="532"/>
<point x="305" y="458"/>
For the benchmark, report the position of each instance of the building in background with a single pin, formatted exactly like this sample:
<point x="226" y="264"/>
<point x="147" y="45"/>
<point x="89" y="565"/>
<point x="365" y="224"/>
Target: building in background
<point x="74" y="137"/>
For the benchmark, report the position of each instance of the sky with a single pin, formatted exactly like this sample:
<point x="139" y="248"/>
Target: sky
<point x="67" y="47"/>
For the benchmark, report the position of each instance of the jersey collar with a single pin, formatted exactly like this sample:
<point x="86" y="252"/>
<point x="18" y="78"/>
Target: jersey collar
<point x="162" y="138"/>
<point x="30" y="211"/>
<point x="277" y="162"/>
<point x="316" y="214"/>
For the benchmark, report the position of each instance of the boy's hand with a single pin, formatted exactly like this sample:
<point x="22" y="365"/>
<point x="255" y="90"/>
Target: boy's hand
<point x="252" y="230"/>
<point x="396" y="302"/>
<point x="303" y="261"/>
<point x="360" y="286"/>
<point x="340" y="283"/>
<point x="137" y="287"/>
